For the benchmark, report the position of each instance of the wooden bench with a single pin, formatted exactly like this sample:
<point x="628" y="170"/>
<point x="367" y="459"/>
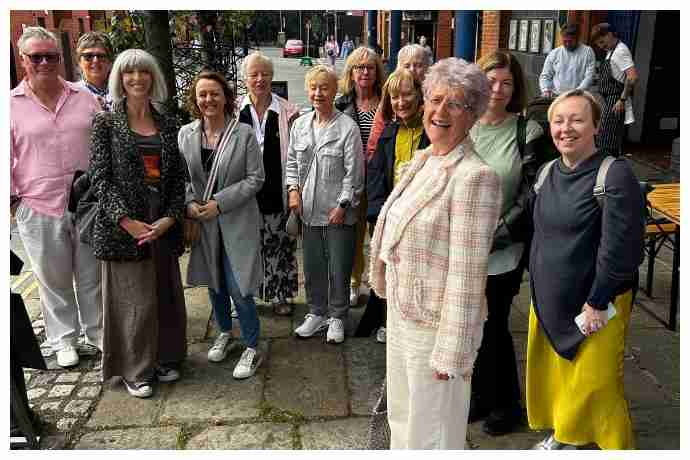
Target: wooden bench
<point x="656" y="235"/>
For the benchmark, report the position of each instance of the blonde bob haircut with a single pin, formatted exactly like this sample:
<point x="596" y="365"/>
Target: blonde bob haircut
<point x="392" y="88"/>
<point x="594" y="105"/>
<point x="362" y="55"/>
<point x="318" y="70"/>
<point x="137" y="59"/>
<point x="258" y="57"/>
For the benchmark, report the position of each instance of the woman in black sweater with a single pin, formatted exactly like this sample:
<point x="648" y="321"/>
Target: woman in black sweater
<point x="584" y="258"/>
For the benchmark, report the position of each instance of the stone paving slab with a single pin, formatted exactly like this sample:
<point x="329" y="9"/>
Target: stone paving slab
<point x="208" y="392"/>
<point x="198" y="312"/>
<point x="118" y="408"/>
<point x="131" y="438"/>
<point x="524" y="438"/>
<point x="366" y="362"/>
<point x="245" y="437"/>
<point x="349" y="433"/>
<point x="659" y="355"/>
<point x="307" y="377"/>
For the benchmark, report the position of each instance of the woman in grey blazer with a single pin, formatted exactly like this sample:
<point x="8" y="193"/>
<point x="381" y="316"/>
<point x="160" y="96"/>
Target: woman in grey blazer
<point x="227" y="255"/>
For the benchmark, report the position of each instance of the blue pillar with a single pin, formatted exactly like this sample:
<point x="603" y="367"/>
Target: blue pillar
<point x="396" y="28"/>
<point x="465" y="34"/>
<point x="371" y="26"/>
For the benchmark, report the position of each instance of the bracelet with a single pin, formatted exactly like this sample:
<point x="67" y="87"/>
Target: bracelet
<point x="293" y="188"/>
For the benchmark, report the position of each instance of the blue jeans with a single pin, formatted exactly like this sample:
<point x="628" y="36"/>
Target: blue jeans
<point x="246" y="308"/>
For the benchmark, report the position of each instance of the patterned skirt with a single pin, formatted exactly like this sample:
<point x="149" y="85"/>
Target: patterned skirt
<point x="280" y="265"/>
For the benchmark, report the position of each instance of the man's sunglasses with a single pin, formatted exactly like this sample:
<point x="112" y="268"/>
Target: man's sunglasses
<point x="50" y="58"/>
<point x="91" y="56"/>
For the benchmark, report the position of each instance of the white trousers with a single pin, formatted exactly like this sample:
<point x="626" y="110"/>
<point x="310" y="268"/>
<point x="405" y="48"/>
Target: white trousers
<point x="423" y="413"/>
<point x="68" y="275"/>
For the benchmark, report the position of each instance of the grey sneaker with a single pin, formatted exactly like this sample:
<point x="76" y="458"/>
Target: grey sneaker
<point x="138" y="389"/>
<point x="311" y="325"/>
<point x="86" y="349"/>
<point x="248" y="363"/>
<point x="220" y="347"/>
<point x="381" y="335"/>
<point x="550" y="443"/>
<point x="336" y="331"/>
<point x="167" y="374"/>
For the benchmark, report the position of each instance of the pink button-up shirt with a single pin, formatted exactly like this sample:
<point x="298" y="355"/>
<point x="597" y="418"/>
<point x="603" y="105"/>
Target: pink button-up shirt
<point x="47" y="147"/>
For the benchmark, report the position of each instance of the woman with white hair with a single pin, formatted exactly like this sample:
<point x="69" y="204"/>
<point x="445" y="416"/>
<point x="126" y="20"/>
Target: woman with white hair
<point x="270" y="117"/>
<point x="429" y="259"/>
<point x="139" y="178"/>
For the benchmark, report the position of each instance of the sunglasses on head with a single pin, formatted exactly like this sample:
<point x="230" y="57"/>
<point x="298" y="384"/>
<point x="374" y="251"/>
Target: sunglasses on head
<point x="92" y="56"/>
<point x="37" y="58"/>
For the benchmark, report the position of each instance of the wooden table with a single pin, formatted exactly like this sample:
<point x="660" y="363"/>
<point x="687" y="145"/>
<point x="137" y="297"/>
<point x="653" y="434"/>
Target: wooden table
<point x="665" y="200"/>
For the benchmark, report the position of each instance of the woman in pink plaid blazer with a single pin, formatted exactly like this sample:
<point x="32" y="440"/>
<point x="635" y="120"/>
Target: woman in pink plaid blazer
<point x="429" y="257"/>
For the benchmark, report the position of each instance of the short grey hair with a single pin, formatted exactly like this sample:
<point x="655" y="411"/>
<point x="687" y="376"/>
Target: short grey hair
<point x="456" y="73"/>
<point x="409" y="51"/>
<point x="256" y="56"/>
<point x="37" y="32"/>
<point x="94" y="39"/>
<point x="137" y="59"/>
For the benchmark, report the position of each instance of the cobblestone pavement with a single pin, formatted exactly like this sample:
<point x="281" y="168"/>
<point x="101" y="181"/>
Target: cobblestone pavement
<point x="309" y="395"/>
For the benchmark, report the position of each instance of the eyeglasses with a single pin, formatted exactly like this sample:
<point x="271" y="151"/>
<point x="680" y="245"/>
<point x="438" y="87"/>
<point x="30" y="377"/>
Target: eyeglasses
<point x="91" y="56"/>
<point x="50" y="58"/>
<point x="362" y="68"/>
<point x="453" y="106"/>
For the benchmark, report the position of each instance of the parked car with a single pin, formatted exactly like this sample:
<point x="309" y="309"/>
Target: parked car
<point x="293" y="48"/>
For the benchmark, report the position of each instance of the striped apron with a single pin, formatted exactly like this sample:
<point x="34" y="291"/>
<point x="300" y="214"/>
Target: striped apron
<point x="610" y="137"/>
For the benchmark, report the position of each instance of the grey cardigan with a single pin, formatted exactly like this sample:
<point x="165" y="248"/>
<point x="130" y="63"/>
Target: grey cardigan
<point x="337" y="173"/>
<point x="240" y="177"/>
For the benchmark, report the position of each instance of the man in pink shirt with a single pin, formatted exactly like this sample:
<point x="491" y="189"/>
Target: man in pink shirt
<point x="50" y="124"/>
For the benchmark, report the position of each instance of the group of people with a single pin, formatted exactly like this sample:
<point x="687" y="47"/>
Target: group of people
<point x="435" y="162"/>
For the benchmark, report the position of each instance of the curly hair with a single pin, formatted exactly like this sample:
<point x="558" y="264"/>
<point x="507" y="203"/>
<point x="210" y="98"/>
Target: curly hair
<point x="456" y="73"/>
<point x="190" y="100"/>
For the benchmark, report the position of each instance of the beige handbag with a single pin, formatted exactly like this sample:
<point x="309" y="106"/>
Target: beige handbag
<point x="293" y="226"/>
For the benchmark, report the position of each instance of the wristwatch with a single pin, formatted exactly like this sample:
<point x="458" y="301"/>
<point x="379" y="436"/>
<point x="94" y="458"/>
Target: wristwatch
<point x="344" y="204"/>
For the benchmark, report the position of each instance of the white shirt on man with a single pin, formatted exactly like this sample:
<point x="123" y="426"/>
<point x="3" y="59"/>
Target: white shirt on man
<point x="565" y="70"/>
<point x="621" y="60"/>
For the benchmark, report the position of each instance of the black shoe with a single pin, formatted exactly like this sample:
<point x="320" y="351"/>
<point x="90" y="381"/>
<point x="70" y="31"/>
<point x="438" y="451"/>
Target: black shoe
<point x="502" y="421"/>
<point x="477" y="412"/>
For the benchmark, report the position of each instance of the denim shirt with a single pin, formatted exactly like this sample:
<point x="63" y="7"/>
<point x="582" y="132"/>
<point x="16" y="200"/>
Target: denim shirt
<point x="337" y="172"/>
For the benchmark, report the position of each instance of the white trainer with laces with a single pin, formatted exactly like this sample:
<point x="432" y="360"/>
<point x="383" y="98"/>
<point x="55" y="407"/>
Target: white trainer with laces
<point x="381" y="335"/>
<point x="67" y="356"/>
<point x="220" y="347"/>
<point x="248" y="363"/>
<point x="336" y="331"/>
<point x="311" y="325"/>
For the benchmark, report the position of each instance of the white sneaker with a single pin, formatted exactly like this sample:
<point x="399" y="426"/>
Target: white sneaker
<point x="138" y="389"/>
<point x="354" y="296"/>
<point x="220" y="347"/>
<point x="67" y="356"/>
<point x="381" y="335"/>
<point x="550" y="443"/>
<point x="336" y="331"/>
<point x="311" y="325"/>
<point x="246" y="366"/>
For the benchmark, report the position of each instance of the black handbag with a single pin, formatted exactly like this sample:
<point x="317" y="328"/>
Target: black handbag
<point x="379" y="432"/>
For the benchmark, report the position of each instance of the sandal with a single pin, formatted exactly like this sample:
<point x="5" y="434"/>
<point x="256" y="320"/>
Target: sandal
<point x="283" y="309"/>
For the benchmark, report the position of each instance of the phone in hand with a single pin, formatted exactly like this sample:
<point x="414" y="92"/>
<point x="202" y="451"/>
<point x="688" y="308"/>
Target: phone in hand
<point x="580" y="319"/>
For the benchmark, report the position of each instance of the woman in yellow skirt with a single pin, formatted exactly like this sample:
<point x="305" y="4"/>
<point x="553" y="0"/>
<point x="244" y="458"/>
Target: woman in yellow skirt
<point x="583" y="261"/>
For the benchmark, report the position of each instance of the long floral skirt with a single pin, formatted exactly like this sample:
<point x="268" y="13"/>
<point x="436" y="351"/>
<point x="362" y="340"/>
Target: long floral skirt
<point x="280" y="265"/>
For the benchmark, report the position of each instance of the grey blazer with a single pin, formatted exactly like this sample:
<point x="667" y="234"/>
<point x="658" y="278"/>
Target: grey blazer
<point x="240" y="177"/>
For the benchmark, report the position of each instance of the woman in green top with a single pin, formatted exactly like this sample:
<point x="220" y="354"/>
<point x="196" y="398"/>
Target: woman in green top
<point x="495" y="387"/>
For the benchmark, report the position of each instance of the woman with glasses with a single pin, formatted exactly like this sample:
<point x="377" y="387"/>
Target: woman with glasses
<point x="139" y="178"/>
<point x="429" y="258"/>
<point x="270" y="117"/>
<point x="95" y="60"/>
<point x="360" y="85"/>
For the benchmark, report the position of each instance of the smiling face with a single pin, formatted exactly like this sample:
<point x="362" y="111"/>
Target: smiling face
<point x="446" y="119"/>
<point x="572" y="128"/>
<point x="502" y="88"/>
<point x="137" y="84"/>
<point x="259" y="77"/>
<point x="95" y="65"/>
<point x="405" y="102"/>
<point x="210" y="98"/>
<point x="44" y="72"/>
<point x="321" y="93"/>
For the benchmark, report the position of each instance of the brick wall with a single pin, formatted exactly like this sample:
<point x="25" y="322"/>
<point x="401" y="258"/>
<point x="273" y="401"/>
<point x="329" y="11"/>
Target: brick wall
<point x="444" y="35"/>
<point x="491" y="32"/>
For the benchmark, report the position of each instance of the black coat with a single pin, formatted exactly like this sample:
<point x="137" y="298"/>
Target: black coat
<point x="24" y="349"/>
<point x="117" y="173"/>
<point x="380" y="172"/>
